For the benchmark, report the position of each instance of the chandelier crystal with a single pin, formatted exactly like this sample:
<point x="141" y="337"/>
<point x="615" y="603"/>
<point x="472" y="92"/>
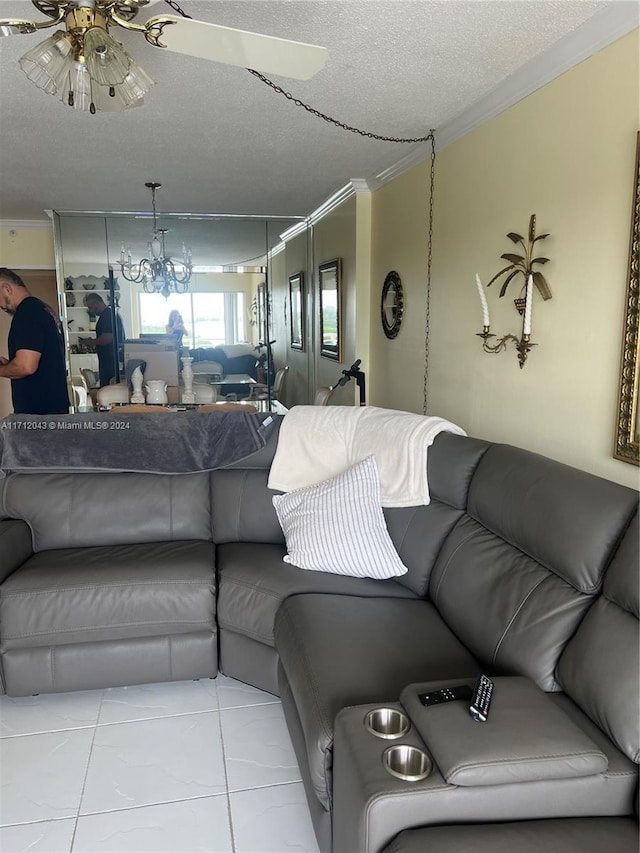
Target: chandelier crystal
<point x="158" y="273"/>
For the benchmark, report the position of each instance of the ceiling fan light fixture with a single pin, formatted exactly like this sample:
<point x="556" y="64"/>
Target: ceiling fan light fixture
<point x="108" y="63"/>
<point x="94" y="61"/>
<point x="49" y="62"/>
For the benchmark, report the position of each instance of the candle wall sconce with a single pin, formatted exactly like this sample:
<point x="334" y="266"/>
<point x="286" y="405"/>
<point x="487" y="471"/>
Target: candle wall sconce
<point x="518" y="265"/>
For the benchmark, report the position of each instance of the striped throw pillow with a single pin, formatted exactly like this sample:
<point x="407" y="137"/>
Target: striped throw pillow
<point x="337" y="526"/>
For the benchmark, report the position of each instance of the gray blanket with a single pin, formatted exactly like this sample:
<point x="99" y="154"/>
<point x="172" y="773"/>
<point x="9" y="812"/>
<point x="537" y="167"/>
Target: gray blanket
<point x="164" y="443"/>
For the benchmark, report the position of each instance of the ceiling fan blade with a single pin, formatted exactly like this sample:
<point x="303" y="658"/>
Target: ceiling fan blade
<point x="268" y="54"/>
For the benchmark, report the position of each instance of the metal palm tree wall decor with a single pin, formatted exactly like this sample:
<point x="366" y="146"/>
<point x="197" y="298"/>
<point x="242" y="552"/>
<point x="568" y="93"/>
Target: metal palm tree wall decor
<point x="523" y="264"/>
<point x="518" y="265"/>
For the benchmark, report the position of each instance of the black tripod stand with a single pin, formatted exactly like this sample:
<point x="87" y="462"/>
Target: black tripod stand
<point x="354" y="372"/>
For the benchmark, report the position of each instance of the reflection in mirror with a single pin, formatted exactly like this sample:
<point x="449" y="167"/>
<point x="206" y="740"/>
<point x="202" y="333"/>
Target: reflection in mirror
<point x="232" y="260"/>
<point x="627" y="446"/>
<point x="296" y="307"/>
<point x="330" y="309"/>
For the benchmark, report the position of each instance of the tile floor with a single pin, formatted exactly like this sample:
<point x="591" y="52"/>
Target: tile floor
<point x="190" y="766"/>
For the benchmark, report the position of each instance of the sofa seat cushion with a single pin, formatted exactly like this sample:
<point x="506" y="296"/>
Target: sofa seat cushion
<point x="253" y="581"/>
<point x="76" y="595"/>
<point x="569" y="835"/>
<point x="343" y="650"/>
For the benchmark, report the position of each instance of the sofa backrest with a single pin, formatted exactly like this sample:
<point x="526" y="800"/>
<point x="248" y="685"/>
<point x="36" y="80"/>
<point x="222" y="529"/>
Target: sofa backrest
<point x="419" y="532"/>
<point x="522" y="566"/>
<point x="80" y="510"/>
<point x="599" y="668"/>
<point x="242" y="509"/>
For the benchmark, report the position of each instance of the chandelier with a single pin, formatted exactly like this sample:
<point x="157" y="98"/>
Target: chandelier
<point x="158" y="273"/>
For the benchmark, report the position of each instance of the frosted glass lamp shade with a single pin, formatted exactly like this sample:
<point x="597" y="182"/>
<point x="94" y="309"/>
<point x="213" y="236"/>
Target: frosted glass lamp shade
<point x="136" y="84"/>
<point x="48" y="63"/>
<point x="108" y="63"/>
<point x="77" y="93"/>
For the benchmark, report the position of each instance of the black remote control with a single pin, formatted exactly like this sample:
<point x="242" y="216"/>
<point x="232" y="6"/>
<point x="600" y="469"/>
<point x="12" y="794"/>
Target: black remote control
<point x="447" y="694"/>
<point x="481" y="701"/>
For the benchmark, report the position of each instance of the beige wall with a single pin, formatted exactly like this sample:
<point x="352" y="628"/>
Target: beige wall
<point x="27" y="246"/>
<point x="565" y="153"/>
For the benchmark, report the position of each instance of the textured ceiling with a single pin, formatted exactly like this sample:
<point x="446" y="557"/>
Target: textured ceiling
<point x="220" y="141"/>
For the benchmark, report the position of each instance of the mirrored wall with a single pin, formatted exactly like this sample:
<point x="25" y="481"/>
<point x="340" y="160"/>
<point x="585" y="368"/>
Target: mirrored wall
<point x="227" y="306"/>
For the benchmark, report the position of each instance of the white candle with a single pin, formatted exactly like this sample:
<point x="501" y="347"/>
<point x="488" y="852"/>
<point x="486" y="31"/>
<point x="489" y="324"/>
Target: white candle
<point x="526" y="327"/>
<point x="483" y="301"/>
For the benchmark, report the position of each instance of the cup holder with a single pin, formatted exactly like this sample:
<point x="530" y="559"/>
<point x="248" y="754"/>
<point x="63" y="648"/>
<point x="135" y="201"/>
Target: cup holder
<point x="407" y="762"/>
<point x="387" y="723"/>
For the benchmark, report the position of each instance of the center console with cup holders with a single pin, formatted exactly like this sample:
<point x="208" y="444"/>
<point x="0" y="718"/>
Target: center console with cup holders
<point x="408" y="764"/>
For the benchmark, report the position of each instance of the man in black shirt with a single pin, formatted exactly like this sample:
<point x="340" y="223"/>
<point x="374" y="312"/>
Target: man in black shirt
<point x="103" y="342"/>
<point x="36" y="364"/>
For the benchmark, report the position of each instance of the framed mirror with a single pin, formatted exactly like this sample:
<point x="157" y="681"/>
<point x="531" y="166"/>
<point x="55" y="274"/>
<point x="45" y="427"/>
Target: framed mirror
<point x="296" y="305"/>
<point x="627" y="447"/>
<point x="330" y="275"/>
<point x="392" y="304"/>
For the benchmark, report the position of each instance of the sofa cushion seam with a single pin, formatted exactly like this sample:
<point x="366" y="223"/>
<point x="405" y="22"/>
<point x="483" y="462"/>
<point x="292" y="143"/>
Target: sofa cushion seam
<point x="108" y="625"/>
<point x="118" y="585"/>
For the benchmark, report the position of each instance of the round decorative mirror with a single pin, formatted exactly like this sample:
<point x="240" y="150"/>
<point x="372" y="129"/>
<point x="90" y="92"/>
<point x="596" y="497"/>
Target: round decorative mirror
<point x="392" y="304"/>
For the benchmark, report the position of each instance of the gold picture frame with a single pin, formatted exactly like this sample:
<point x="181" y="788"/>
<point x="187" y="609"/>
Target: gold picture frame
<point x="627" y="446"/>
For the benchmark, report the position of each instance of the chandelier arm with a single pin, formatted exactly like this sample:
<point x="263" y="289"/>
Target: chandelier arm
<point x="55" y="10"/>
<point x="27" y="27"/>
<point x="114" y="18"/>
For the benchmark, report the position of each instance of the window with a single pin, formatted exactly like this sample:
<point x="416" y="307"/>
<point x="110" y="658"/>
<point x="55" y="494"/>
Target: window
<point x="211" y="319"/>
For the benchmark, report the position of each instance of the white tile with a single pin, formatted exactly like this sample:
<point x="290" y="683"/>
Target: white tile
<point x="21" y="715"/>
<point x="237" y="694"/>
<point x="257" y="747"/>
<point x="42" y="775"/>
<point x="122" y="704"/>
<point x="190" y="826"/>
<point x="154" y="761"/>
<point x="271" y="820"/>
<point x="51" y="836"/>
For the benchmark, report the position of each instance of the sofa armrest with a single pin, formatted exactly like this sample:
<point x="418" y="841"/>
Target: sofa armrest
<point x="15" y="545"/>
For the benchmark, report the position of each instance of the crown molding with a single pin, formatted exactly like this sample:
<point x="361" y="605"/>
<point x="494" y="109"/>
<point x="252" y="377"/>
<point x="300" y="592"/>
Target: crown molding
<point x="360" y="185"/>
<point x="611" y="23"/>
<point x="25" y="224"/>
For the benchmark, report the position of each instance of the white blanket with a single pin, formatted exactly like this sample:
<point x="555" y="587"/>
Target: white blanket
<point x="318" y="442"/>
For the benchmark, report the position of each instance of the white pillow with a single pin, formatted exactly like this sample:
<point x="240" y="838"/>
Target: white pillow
<point x="337" y="526"/>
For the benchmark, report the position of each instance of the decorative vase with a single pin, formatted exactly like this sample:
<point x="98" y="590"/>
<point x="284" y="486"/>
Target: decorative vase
<point x="187" y="379"/>
<point x="136" y="381"/>
<point x="157" y="392"/>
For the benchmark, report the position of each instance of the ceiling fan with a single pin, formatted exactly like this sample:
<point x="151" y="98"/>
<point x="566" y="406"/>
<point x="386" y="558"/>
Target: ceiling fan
<point x="90" y="70"/>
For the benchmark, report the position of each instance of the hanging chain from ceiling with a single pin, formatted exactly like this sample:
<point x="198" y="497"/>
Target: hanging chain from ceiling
<point x="432" y="177"/>
<point x="280" y="91"/>
<point x="429" y="138"/>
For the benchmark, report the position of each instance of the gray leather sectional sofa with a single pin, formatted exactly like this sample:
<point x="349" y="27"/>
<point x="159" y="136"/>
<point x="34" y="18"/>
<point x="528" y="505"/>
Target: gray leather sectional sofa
<point x="520" y="567"/>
